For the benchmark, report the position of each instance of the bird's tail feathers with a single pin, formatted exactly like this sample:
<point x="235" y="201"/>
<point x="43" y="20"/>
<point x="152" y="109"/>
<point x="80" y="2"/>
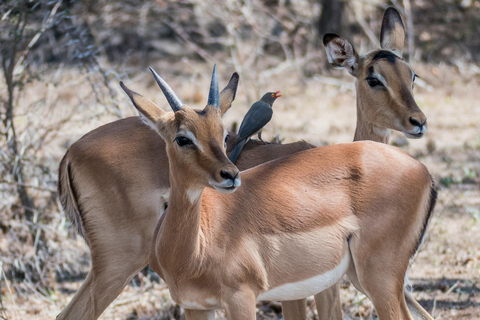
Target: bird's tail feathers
<point x="236" y="150"/>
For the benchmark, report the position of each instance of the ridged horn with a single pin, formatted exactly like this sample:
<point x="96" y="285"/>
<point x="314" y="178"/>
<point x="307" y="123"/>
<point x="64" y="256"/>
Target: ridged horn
<point x="172" y="98"/>
<point x="214" y="94"/>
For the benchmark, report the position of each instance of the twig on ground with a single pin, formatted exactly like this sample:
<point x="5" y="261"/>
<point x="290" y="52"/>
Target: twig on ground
<point x="15" y="310"/>
<point x="452" y="288"/>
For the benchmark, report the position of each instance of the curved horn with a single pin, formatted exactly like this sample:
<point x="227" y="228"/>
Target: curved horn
<point x="214" y="94"/>
<point x="172" y="98"/>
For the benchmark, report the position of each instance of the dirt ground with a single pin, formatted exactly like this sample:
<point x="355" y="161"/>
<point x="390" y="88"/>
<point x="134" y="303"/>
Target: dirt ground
<point x="446" y="272"/>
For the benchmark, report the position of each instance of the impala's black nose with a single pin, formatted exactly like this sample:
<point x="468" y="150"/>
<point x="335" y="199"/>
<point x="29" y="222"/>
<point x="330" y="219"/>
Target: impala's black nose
<point x="417" y="122"/>
<point x="227" y="175"/>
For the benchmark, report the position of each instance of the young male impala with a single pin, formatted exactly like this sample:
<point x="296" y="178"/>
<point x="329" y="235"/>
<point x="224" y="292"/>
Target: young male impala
<point x="98" y="174"/>
<point x="292" y="228"/>
<point x="113" y="185"/>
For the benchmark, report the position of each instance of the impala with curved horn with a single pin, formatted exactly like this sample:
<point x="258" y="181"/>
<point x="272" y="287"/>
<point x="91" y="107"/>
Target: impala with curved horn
<point x="113" y="183"/>
<point x="113" y="186"/>
<point x="292" y="228"/>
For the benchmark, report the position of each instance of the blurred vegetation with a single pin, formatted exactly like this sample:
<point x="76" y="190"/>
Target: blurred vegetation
<point x="106" y="40"/>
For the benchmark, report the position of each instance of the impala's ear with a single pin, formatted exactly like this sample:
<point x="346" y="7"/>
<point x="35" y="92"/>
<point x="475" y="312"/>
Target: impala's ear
<point x="340" y="53"/>
<point x="392" y="36"/>
<point x="149" y="111"/>
<point x="228" y="93"/>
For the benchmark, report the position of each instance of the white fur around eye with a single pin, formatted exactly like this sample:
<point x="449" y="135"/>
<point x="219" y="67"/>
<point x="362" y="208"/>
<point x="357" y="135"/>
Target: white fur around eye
<point x="191" y="136"/>
<point x="381" y="79"/>
<point x="225" y="133"/>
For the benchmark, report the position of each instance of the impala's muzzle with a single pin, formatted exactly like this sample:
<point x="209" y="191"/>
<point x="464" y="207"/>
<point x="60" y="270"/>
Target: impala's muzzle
<point x="230" y="181"/>
<point x="419" y="127"/>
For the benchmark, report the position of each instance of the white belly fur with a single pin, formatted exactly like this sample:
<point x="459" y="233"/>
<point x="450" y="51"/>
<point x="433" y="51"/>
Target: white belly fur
<point x="306" y="288"/>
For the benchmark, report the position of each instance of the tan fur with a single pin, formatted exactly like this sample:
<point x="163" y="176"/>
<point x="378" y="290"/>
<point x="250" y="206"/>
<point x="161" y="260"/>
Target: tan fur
<point x="292" y="219"/>
<point x="110" y="185"/>
<point x="101" y="165"/>
<point x="96" y="195"/>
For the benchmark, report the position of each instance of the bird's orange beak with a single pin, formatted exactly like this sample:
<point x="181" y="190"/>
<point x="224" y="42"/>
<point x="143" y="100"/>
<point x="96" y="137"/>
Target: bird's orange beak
<point x="277" y="94"/>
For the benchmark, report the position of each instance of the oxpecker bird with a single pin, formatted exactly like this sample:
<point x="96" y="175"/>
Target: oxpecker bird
<point x="256" y="118"/>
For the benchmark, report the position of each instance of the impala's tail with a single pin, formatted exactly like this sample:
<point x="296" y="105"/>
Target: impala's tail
<point x="68" y="197"/>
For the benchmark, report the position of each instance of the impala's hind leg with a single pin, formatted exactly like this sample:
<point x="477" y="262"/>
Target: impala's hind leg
<point x="116" y="257"/>
<point x="381" y="285"/>
<point x="103" y="284"/>
<point x="380" y="275"/>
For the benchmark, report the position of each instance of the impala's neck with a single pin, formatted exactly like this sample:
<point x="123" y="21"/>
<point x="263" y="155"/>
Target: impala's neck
<point x="366" y="131"/>
<point x="180" y="236"/>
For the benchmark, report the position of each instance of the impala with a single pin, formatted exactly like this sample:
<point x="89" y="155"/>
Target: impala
<point x="113" y="182"/>
<point x="291" y="228"/>
<point x="113" y="185"/>
<point x="384" y="85"/>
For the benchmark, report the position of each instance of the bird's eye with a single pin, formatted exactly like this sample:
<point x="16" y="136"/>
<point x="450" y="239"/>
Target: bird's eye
<point x="273" y="95"/>
<point x="183" y="141"/>
<point x="373" y="82"/>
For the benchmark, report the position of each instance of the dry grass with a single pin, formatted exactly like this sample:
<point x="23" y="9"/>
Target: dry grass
<point x="445" y="273"/>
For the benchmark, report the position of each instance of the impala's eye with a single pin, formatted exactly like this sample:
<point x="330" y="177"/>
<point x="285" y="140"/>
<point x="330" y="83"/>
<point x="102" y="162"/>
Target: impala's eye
<point x="374" y="82"/>
<point x="183" y="141"/>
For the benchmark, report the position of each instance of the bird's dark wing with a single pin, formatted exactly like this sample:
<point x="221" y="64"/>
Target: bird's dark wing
<point x="256" y="118"/>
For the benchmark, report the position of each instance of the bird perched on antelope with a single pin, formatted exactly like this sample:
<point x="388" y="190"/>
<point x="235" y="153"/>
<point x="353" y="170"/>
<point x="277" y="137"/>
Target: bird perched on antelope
<point x="256" y="118"/>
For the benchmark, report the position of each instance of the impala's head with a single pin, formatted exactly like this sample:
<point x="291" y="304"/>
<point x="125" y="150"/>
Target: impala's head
<point x="384" y="79"/>
<point x="195" y="139"/>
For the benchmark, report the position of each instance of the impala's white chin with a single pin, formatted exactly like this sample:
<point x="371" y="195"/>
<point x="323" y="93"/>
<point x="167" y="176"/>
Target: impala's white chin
<point x="416" y="133"/>
<point x="226" y="190"/>
<point x="227" y="186"/>
<point x="413" y="135"/>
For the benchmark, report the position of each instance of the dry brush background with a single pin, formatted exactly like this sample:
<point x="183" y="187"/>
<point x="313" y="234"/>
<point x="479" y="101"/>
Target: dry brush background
<point x="61" y="63"/>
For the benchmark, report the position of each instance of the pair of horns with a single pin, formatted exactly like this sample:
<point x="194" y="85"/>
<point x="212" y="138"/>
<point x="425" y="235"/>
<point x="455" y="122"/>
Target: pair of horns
<point x="174" y="100"/>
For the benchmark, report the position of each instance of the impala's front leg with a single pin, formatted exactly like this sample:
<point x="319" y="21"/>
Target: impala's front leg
<point x="191" y="314"/>
<point x="241" y="304"/>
